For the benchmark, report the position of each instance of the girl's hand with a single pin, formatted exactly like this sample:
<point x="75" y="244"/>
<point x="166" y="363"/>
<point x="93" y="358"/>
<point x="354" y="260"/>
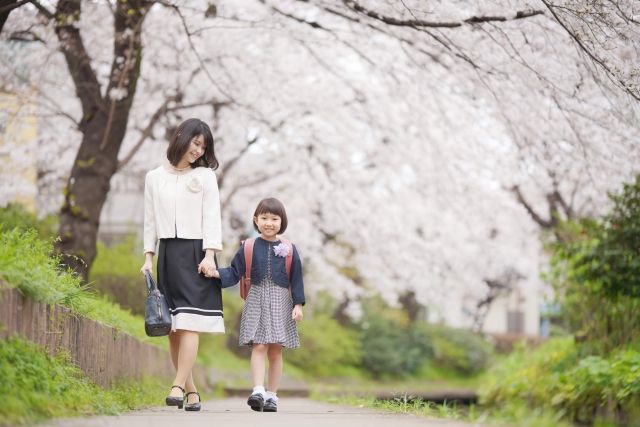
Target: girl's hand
<point x="297" y="313"/>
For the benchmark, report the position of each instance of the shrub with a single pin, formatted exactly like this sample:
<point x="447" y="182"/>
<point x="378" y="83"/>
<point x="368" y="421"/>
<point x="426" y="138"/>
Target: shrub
<point x="461" y="350"/>
<point x="612" y="261"/>
<point x="583" y="389"/>
<point x="595" y="270"/>
<point x="328" y="349"/>
<point x="394" y="345"/>
<point x="392" y="350"/>
<point x="116" y="273"/>
<point x="16" y="216"/>
<point x="27" y="264"/>
<point x="529" y="376"/>
<point x="36" y="386"/>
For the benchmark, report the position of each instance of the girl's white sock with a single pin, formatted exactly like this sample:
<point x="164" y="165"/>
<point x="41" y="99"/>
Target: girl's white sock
<point x="259" y="389"/>
<point x="271" y="395"/>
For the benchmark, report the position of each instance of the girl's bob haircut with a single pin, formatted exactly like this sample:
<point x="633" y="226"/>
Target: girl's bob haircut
<point x="273" y="206"/>
<point x="186" y="132"/>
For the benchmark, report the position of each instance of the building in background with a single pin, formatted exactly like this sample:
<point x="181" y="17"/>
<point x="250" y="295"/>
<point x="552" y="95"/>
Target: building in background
<point x="18" y="146"/>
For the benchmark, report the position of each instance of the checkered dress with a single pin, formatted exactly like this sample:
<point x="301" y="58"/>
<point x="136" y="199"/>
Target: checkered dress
<point x="266" y="316"/>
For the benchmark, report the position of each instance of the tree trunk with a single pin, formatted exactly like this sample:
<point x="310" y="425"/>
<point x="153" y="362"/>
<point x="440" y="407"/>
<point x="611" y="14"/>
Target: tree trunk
<point x="85" y="194"/>
<point x="103" y="125"/>
<point x="6" y="6"/>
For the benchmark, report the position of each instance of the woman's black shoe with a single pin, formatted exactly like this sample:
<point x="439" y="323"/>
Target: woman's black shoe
<point x="175" y="401"/>
<point x="256" y="401"/>
<point x="192" y="406"/>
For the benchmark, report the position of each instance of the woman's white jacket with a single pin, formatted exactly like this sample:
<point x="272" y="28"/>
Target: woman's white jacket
<point x="184" y="205"/>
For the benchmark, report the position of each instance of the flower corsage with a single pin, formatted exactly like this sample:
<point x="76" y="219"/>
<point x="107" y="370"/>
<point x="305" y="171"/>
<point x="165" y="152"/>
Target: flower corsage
<point x="194" y="184"/>
<point x="281" y="250"/>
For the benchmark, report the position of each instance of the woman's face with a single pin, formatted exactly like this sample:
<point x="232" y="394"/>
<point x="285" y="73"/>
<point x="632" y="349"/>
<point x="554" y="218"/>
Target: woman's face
<point x="195" y="150"/>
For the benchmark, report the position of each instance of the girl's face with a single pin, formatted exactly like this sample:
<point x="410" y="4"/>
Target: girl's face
<point x="268" y="224"/>
<point x="195" y="150"/>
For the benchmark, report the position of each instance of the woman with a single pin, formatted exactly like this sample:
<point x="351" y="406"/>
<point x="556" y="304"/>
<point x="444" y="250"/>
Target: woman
<point x="182" y="211"/>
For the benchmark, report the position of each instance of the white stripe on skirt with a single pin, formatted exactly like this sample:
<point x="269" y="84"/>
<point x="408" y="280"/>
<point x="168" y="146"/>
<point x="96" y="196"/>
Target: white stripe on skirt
<point x="197" y="323"/>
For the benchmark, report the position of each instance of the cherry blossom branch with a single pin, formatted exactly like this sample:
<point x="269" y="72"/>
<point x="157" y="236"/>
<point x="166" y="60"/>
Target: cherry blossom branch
<point x="356" y="20"/>
<point x="43" y="10"/>
<point x="598" y="61"/>
<point x="236" y="188"/>
<point x="420" y="23"/>
<point x="160" y="112"/>
<point x="546" y="224"/>
<point x="8" y="7"/>
<point x="194" y="50"/>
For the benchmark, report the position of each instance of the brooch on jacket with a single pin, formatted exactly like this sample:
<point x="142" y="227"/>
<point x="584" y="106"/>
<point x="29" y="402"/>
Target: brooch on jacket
<point x="194" y="184"/>
<point x="281" y="250"/>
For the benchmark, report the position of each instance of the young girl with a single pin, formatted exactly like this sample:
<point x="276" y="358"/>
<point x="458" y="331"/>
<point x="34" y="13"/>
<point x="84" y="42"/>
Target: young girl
<point x="274" y="302"/>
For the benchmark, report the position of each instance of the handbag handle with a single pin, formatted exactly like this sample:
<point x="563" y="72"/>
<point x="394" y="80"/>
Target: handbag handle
<point x="151" y="284"/>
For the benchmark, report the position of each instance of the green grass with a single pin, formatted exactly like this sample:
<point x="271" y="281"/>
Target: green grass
<point x="428" y="378"/>
<point x="36" y="386"/>
<point x="511" y="416"/>
<point x="559" y="377"/>
<point x="27" y="263"/>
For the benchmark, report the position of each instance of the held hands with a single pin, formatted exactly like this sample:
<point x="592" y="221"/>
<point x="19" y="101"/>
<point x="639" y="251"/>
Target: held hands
<point x="208" y="266"/>
<point x="297" y="313"/>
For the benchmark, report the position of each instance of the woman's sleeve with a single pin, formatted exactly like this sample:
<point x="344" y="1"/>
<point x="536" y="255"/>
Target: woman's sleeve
<point x="211" y="221"/>
<point x="150" y="234"/>
<point x="231" y="275"/>
<point x="297" y="285"/>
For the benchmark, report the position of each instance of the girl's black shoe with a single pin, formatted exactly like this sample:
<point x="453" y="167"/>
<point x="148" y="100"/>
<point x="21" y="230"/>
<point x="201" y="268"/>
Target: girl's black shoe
<point x="256" y="401"/>
<point x="192" y="406"/>
<point x="270" y="405"/>
<point x="175" y="401"/>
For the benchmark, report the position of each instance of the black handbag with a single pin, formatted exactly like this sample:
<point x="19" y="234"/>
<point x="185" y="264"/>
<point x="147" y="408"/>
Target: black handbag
<point x="157" y="319"/>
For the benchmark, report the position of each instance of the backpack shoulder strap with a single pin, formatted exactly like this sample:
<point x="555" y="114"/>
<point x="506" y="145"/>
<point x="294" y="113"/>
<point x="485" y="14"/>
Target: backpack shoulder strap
<point x="248" y="256"/>
<point x="289" y="258"/>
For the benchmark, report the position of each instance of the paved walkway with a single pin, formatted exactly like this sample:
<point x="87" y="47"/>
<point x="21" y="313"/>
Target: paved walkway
<point x="234" y="412"/>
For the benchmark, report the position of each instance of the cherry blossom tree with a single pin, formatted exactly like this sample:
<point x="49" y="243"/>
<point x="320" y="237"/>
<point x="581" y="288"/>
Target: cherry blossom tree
<point x="399" y="137"/>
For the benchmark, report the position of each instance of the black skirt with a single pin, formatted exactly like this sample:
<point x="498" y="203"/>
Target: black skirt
<point x="195" y="300"/>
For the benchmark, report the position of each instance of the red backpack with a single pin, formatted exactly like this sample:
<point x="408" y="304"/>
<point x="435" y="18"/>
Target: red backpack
<point x="245" y="280"/>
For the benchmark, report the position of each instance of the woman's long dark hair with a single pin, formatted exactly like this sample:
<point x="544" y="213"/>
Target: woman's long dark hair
<point x="189" y="129"/>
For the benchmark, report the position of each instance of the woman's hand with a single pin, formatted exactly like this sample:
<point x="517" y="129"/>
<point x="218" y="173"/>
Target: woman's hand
<point x="208" y="264"/>
<point x="297" y="312"/>
<point x="148" y="263"/>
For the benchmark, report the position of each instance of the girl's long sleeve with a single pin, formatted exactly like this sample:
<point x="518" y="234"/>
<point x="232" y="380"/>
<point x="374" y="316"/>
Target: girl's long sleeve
<point x="231" y="275"/>
<point x="297" y="285"/>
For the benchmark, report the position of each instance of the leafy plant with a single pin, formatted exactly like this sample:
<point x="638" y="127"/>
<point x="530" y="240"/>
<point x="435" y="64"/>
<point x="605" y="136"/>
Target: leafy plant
<point x="612" y="260"/>
<point x="595" y="270"/>
<point x="14" y="215"/>
<point x="556" y="377"/>
<point x="327" y="348"/>
<point x="36" y="386"/>
<point x="116" y="273"/>
<point x="458" y="349"/>
<point x="28" y="263"/>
